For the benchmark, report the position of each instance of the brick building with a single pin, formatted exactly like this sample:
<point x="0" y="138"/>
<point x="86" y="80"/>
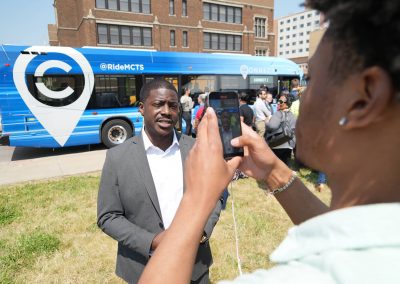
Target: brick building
<point x="167" y="25"/>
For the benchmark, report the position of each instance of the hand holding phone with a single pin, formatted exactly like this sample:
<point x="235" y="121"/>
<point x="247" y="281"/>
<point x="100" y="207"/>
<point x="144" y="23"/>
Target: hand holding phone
<point x="226" y="106"/>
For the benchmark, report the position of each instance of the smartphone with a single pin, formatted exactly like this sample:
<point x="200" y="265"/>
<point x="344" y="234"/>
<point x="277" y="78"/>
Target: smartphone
<point x="226" y="106"/>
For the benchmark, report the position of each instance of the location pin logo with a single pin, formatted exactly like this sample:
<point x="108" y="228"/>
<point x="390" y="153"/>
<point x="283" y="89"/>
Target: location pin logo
<point x="244" y="70"/>
<point x="60" y="121"/>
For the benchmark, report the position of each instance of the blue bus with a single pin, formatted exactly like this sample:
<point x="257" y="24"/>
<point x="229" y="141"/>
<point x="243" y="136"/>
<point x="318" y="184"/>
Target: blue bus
<point x="61" y="96"/>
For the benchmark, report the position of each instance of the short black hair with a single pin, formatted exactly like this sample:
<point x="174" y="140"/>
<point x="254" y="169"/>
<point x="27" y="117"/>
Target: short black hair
<point x="243" y="96"/>
<point x="157" y="83"/>
<point x="364" y="34"/>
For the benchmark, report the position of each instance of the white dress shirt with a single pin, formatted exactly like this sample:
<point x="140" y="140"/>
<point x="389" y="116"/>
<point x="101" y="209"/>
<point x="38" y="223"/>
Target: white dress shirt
<point x="354" y="245"/>
<point x="261" y="110"/>
<point x="166" y="170"/>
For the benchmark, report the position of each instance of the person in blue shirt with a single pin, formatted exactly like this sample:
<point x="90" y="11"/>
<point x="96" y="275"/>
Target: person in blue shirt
<point x="354" y="79"/>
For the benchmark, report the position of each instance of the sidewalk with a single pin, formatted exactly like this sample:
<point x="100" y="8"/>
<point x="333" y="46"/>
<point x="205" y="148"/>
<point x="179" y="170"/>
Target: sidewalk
<point x="49" y="167"/>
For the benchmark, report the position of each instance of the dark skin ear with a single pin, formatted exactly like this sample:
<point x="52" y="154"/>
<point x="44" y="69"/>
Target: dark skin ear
<point x="372" y="98"/>
<point x="141" y="107"/>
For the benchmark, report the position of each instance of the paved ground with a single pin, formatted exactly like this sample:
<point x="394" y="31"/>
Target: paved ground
<point x="26" y="164"/>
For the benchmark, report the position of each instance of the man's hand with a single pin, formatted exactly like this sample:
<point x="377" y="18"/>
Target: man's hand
<point x="157" y="240"/>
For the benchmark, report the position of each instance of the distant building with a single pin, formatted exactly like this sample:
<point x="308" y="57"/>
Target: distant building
<point x="168" y="25"/>
<point x="293" y="36"/>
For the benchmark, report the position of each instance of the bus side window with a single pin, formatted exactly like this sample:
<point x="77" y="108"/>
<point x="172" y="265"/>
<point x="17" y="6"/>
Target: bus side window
<point x="113" y="91"/>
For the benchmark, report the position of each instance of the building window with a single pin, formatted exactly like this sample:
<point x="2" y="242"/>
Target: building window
<point x="293" y="35"/>
<point x="172" y="38"/>
<point x="114" y="35"/>
<point x="294" y="27"/>
<point x="288" y="36"/>
<point x="124" y="5"/>
<point x="112" y="4"/>
<point x="238" y="15"/>
<point x="171" y="7"/>
<point x="184" y="8"/>
<point x="102" y="33"/>
<point x="288" y="21"/>
<point x="280" y="53"/>
<point x="301" y="25"/>
<point x="281" y="45"/>
<point x="101" y="4"/>
<point x="185" y="39"/>
<point x="214" y="12"/>
<point x="308" y="24"/>
<point x="302" y="17"/>
<point x="222" y="42"/>
<point x="206" y="11"/>
<point x="317" y="22"/>
<point x="281" y="30"/>
<point x="300" y="50"/>
<point x="281" y="38"/>
<point x="281" y="22"/>
<point x="309" y="16"/>
<point x="124" y="35"/>
<point x="222" y="13"/>
<point x="136" y="6"/>
<point x="301" y="34"/>
<point x="261" y="52"/>
<point x="288" y="28"/>
<point x="259" y="27"/>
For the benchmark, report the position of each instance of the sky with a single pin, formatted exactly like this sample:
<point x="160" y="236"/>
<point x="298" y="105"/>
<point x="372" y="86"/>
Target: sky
<point x="24" y="22"/>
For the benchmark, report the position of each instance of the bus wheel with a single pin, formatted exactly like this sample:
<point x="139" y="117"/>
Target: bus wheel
<point x="115" y="132"/>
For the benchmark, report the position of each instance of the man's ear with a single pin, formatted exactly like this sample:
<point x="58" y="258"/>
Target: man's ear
<point x="372" y="98"/>
<point x="141" y="108"/>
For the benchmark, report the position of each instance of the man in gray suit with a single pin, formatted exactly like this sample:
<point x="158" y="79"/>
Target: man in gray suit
<point x="142" y="185"/>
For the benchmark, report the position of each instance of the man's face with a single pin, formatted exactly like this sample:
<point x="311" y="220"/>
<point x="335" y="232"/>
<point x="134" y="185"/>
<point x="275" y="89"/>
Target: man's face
<point x="263" y="95"/>
<point x="269" y="98"/>
<point x="160" y="112"/>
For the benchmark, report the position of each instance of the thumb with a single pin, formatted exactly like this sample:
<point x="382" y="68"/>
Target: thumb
<point x="233" y="164"/>
<point x="242" y="141"/>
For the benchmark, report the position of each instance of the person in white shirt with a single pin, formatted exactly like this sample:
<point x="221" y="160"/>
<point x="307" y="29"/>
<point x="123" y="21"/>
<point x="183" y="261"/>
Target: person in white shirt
<point x="142" y="187"/>
<point x="348" y="127"/>
<point x="262" y="113"/>
<point x="187" y="105"/>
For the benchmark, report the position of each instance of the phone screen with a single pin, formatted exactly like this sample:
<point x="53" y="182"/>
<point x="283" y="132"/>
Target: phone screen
<point x="226" y="106"/>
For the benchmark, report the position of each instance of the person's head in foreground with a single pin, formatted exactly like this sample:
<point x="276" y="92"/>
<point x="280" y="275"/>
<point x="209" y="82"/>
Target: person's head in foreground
<point x="348" y="128"/>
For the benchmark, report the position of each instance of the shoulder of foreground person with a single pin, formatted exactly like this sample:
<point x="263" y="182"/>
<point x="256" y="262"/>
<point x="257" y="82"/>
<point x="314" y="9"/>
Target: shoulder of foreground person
<point x="296" y="273"/>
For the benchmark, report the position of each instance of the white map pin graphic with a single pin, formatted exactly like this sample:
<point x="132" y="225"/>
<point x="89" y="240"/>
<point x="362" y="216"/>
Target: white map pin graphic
<point x="244" y="70"/>
<point x="60" y="122"/>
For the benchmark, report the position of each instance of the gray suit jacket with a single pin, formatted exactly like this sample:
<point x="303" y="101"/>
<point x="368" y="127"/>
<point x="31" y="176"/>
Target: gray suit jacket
<point x="128" y="208"/>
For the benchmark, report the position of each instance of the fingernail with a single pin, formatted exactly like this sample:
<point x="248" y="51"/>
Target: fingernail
<point x="235" y="142"/>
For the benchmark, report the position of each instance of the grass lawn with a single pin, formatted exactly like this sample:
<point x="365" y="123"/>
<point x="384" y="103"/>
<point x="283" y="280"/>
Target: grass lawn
<point x="48" y="232"/>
